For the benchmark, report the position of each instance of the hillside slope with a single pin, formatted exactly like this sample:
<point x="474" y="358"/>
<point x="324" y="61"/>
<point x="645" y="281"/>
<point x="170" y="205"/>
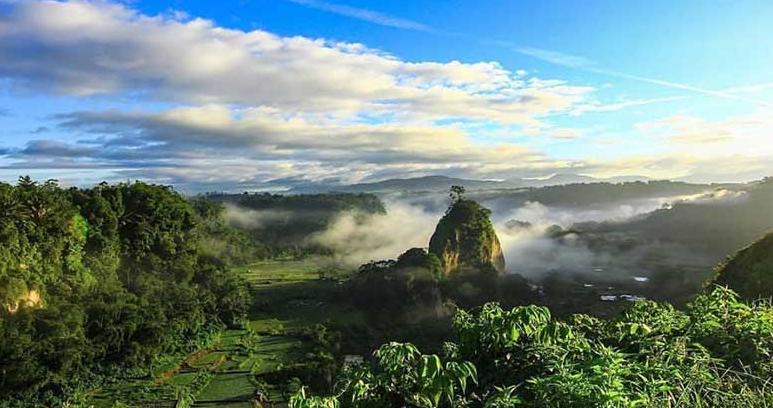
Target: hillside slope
<point x="750" y="271"/>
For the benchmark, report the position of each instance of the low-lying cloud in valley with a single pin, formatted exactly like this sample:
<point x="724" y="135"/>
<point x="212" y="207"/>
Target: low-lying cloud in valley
<point x="535" y="239"/>
<point x="529" y="246"/>
<point x="357" y="238"/>
<point x="248" y="219"/>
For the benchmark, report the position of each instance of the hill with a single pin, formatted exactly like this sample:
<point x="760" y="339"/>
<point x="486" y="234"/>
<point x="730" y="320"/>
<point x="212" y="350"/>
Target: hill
<point x="715" y="224"/>
<point x="750" y="271"/>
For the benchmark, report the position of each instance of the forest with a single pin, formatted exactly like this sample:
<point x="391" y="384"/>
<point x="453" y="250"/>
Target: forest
<point x="98" y="283"/>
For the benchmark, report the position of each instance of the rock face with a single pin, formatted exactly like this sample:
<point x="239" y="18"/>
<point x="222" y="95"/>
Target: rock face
<point x="465" y="238"/>
<point x="29" y="299"/>
<point x="750" y="271"/>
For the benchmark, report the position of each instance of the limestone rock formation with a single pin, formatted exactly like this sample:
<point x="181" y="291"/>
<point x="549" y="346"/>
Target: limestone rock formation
<point x="465" y="238"/>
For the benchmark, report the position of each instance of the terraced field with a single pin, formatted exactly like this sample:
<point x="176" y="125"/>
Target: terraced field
<point x="289" y="297"/>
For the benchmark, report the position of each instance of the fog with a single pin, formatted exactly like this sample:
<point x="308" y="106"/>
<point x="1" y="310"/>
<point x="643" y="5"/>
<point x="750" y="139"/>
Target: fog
<point x="249" y="219"/>
<point x="534" y="246"/>
<point x="357" y="238"/>
<point x="533" y="236"/>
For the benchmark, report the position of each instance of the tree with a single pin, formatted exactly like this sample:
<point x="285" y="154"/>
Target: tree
<point x="456" y="193"/>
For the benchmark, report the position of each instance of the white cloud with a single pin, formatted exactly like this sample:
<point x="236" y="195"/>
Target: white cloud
<point x="747" y="134"/>
<point x="89" y="48"/>
<point x="365" y="15"/>
<point x="267" y="134"/>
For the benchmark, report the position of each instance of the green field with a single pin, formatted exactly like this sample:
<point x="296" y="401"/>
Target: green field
<point x="289" y="296"/>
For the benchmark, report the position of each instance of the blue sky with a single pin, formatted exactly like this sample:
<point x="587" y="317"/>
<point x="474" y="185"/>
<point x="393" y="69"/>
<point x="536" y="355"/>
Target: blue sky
<point x="264" y="93"/>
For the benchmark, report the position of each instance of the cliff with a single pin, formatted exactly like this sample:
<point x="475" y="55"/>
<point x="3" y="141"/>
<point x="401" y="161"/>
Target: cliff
<point x="465" y="238"/>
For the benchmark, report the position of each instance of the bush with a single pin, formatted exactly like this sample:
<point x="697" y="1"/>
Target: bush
<point x="716" y="353"/>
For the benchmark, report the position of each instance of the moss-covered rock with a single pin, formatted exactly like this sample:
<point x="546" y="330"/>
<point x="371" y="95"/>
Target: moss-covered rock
<point x="465" y="238"/>
<point x="750" y="271"/>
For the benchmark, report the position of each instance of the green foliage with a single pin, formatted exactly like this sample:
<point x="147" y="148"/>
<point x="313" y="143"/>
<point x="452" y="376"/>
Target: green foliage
<point x="403" y="376"/>
<point x="456" y="193"/>
<point x="102" y="281"/>
<point x="716" y="353"/>
<point x="300" y="400"/>
<point x="419" y="258"/>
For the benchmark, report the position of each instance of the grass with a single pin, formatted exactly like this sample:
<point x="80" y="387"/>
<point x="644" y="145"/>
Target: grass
<point x="181" y="380"/>
<point x="290" y="296"/>
<point x="282" y="271"/>
<point x="228" y="386"/>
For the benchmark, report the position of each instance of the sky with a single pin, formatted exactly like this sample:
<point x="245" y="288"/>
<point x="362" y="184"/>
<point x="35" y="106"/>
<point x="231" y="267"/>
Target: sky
<point x="268" y="94"/>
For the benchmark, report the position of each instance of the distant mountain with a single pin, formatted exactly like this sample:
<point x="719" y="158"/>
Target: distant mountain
<point x="750" y="271"/>
<point x="556" y="179"/>
<point x="443" y="183"/>
<point x="569" y="178"/>
<point x="426" y="183"/>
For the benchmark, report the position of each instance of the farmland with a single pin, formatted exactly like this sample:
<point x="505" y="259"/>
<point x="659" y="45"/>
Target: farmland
<point x="290" y="299"/>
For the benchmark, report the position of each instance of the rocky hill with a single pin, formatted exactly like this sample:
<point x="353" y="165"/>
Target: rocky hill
<point x="465" y="238"/>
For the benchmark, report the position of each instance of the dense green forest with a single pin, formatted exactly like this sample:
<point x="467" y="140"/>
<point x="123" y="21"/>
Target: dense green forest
<point x="98" y="283"/>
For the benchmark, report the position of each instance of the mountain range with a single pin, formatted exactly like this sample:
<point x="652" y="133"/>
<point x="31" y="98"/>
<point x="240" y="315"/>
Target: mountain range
<point x="442" y="183"/>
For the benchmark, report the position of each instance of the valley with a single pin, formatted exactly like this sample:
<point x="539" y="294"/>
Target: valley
<point x="271" y="306"/>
